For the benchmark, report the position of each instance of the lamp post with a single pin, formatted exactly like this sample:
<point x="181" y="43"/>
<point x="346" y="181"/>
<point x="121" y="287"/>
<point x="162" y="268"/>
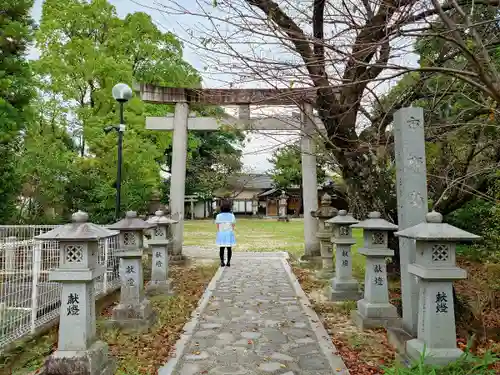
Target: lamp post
<point x="122" y="93"/>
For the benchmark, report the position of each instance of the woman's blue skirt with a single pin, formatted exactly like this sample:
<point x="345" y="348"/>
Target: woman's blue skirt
<point x="225" y="238"/>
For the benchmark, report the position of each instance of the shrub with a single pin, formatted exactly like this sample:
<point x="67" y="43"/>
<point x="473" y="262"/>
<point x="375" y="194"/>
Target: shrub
<point x="468" y="364"/>
<point x="480" y="217"/>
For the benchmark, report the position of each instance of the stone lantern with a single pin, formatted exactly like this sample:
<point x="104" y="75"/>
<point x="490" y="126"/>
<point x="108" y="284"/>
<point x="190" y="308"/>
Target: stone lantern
<point x="324" y="234"/>
<point x="343" y="286"/>
<point x="134" y="310"/>
<point x="283" y="205"/>
<point x="78" y="350"/>
<point x="160" y="242"/>
<point x="435" y="267"/>
<point x="255" y="205"/>
<point x="374" y="310"/>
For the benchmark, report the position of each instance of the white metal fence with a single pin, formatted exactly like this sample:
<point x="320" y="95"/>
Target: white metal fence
<point x="27" y="298"/>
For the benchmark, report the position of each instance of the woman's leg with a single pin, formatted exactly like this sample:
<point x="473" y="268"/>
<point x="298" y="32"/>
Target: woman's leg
<point x="229" y="254"/>
<point x="221" y="256"/>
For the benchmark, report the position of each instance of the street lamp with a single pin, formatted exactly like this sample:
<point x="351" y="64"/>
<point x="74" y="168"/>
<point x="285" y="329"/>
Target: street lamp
<point x="122" y="93"/>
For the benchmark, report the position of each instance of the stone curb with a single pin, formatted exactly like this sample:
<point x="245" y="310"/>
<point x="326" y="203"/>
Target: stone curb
<point x="190" y="327"/>
<point x="329" y="350"/>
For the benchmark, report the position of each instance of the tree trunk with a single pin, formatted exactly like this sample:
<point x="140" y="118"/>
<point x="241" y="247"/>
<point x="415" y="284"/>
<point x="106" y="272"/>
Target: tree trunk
<point x="371" y="187"/>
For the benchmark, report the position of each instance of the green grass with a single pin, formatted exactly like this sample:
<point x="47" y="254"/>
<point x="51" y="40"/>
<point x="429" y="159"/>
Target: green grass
<point x="263" y="235"/>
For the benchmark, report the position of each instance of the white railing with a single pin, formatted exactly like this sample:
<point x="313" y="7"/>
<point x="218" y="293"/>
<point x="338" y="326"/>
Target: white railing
<point x="28" y="299"/>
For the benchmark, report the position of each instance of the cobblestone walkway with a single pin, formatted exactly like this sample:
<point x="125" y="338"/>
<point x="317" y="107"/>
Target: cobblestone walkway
<point x="255" y="321"/>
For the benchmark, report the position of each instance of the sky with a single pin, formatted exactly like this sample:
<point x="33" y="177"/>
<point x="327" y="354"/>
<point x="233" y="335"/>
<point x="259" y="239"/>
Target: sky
<point x="258" y="146"/>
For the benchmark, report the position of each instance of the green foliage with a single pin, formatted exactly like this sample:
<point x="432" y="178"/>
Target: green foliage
<point x="462" y="134"/>
<point x="63" y="161"/>
<point x="481" y="217"/>
<point x="16" y="92"/>
<point x="467" y="364"/>
<point x="287" y="166"/>
<point x="85" y="49"/>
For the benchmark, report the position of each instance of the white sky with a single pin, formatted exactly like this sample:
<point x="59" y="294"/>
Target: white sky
<point x="259" y="146"/>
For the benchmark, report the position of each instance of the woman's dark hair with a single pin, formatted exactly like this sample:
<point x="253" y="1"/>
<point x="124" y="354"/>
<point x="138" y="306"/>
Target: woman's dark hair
<point x="225" y="206"/>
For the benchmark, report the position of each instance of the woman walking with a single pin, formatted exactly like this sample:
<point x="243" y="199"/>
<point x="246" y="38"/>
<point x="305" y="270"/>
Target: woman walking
<point x="225" y="238"/>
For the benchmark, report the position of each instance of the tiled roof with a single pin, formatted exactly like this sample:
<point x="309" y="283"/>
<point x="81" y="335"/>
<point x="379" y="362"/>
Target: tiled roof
<point x="252" y="181"/>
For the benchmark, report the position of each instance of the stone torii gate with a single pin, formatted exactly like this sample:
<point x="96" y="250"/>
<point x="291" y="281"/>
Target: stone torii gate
<point x="182" y="121"/>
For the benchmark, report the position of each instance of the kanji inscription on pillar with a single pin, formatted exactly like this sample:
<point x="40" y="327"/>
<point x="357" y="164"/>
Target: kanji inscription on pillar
<point x="441" y="303"/>
<point x="414" y="122"/>
<point x="130" y="275"/>
<point x="73" y="304"/>
<point x="158" y="259"/>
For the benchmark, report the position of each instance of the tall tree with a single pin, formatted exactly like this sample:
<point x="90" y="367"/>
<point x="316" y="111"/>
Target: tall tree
<point x="16" y="93"/>
<point x="287" y="167"/>
<point x="342" y="51"/>
<point x="46" y="162"/>
<point x="85" y="50"/>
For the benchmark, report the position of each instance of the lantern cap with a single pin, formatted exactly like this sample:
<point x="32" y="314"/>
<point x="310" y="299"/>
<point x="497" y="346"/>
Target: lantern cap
<point x="160" y="218"/>
<point x="433" y="229"/>
<point x="131" y="222"/>
<point x="342" y="218"/>
<point x="79" y="230"/>
<point x="375" y="222"/>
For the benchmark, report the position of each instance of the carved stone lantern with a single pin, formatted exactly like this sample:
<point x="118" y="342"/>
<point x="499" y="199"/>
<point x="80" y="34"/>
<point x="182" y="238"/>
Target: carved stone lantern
<point x="161" y="240"/>
<point x="134" y="310"/>
<point x="283" y="205"/>
<point x="343" y="286"/>
<point x="255" y="205"/>
<point x="324" y="234"/>
<point x="374" y="310"/>
<point x="435" y="267"/>
<point x="78" y="350"/>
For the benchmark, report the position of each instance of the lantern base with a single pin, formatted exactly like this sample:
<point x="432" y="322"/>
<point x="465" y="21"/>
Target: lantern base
<point x="433" y="356"/>
<point x="343" y="290"/>
<point x="93" y="361"/>
<point x="133" y="317"/>
<point x="159" y="287"/>
<point x="176" y="258"/>
<point x="325" y="273"/>
<point x="364" y="322"/>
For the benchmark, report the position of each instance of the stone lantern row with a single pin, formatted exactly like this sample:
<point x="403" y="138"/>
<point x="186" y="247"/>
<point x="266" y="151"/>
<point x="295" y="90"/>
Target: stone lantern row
<point x="434" y="267"/>
<point x="79" y="351"/>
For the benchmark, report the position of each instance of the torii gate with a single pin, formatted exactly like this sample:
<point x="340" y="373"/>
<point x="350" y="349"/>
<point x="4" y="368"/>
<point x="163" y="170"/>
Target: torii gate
<point x="181" y="121"/>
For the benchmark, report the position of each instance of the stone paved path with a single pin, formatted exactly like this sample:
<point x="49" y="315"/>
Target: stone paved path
<point x="254" y="320"/>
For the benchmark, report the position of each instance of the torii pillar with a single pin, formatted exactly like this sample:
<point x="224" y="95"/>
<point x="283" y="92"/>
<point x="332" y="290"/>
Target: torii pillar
<point x="178" y="174"/>
<point x="309" y="182"/>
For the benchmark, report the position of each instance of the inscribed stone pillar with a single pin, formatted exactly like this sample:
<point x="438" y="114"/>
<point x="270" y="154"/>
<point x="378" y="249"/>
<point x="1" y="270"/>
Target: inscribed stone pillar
<point x="411" y="191"/>
<point x="435" y="267"/>
<point x="178" y="174"/>
<point x="160" y="241"/>
<point x="324" y="234"/>
<point x="78" y="350"/>
<point x="309" y="181"/>
<point x="374" y="310"/>
<point x="343" y="286"/>
<point x="134" y="310"/>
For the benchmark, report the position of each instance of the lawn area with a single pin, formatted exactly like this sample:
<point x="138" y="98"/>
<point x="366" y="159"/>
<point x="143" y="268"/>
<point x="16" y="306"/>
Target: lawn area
<point x="264" y="235"/>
